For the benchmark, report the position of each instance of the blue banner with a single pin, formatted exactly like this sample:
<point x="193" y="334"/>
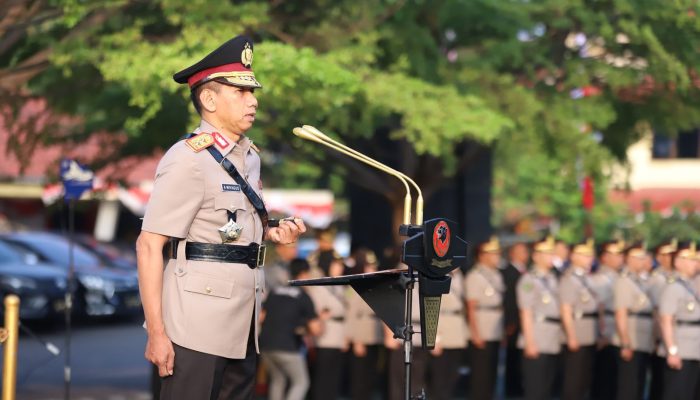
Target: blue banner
<point x="76" y="179"/>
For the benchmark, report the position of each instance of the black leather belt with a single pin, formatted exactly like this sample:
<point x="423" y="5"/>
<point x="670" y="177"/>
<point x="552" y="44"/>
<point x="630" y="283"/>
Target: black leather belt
<point x="640" y="314"/>
<point x="553" y="320"/>
<point x="338" y="319"/>
<point x="688" y="322"/>
<point x="610" y="313"/>
<point x="586" y="315"/>
<point x="252" y="255"/>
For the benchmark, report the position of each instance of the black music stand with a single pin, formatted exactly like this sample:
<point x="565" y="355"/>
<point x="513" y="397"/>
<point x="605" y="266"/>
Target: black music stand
<point x="431" y="252"/>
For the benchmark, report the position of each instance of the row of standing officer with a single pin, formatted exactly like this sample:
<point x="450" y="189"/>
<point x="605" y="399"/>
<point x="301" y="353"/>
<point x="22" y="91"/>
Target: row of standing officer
<point x="614" y="323"/>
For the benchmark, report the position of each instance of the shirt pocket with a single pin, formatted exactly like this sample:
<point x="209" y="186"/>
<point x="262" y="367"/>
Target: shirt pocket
<point x="209" y="285"/>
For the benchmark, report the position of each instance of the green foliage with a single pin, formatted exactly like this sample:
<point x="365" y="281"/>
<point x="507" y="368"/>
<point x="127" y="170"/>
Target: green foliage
<point x="433" y="74"/>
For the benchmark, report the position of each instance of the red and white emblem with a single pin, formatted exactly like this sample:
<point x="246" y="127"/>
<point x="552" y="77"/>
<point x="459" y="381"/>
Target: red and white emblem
<point x="441" y="238"/>
<point x="220" y="140"/>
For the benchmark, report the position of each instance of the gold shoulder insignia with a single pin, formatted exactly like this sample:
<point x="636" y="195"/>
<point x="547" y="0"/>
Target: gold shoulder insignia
<point x="200" y="142"/>
<point x="254" y="147"/>
<point x="671" y="279"/>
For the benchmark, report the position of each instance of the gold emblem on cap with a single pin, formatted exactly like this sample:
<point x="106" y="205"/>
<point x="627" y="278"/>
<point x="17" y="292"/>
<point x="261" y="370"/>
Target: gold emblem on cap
<point x="247" y="55"/>
<point x="546" y="245"/>
<point x="492" y="246"/>
<point x="587" y="248"/>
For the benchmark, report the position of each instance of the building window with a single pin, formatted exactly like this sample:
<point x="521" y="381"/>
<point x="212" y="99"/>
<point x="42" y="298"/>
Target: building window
<point x="684" y="145"/>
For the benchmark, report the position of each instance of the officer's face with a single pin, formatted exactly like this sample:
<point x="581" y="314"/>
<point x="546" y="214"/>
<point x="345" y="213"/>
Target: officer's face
<point x="664" y="260"/>
<point x="236" y="108"/>
<point x="584" y="261"/>
<point x="490" y="259"/>
<point x="612" y="260"/>
<point x="636" y="264"/>
<point x="686" y="266"/>
<point x="543" y="259"/>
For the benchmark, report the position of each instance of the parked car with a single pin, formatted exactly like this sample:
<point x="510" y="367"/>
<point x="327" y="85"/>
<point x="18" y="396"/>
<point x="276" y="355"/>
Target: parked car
<point x="40" y="287"/>
<point x="101" y="290"/>
<point x="109" y="254"/>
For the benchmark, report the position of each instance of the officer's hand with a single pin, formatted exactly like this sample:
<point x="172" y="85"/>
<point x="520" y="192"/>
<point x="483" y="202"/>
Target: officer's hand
<point x="391" y="343"/>
<point x="674" y="362"/>
<point x="287" y="232"/>
<point x="159" y="351"/>
<point x="359" y="349"/>
<point x="626" y="354"/>
<point x="530" y="351"/>
<point x="572" y="344"/>
<point x="478" y="343"/>
<point x="436" y="351"/>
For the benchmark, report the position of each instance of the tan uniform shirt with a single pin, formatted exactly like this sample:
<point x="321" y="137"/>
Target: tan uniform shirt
<point x="207" y="306"/>
<point x="485" y="285"/>
<point x="680" y="300"/>
<point x="633" y="295"/>
<point x="575" y="290"/>
<point x="603" y="281"/>
<point x="452" y="332"/>
<point x="363" y="326"/>
<point x="538" y="293"/>
<point x="333" y="300"/>
<point x="657" y="282"/>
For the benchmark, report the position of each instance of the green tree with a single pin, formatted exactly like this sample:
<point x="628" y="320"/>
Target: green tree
<point x="442" y="80"/>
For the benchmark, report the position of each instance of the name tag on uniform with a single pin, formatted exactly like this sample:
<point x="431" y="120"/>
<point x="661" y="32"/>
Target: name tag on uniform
<point x="226" y="187"/>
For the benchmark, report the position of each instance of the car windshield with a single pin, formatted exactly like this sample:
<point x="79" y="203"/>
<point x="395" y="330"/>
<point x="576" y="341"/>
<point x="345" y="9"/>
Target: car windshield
<point x="56" y="251"/>
<point x="8" y="254"/>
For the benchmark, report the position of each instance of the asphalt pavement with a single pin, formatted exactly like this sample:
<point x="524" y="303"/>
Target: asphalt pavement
<point x="106" y="357"/>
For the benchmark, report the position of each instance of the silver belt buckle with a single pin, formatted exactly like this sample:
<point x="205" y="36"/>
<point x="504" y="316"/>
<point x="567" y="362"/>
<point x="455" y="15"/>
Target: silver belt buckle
<point x="262" y="251"/>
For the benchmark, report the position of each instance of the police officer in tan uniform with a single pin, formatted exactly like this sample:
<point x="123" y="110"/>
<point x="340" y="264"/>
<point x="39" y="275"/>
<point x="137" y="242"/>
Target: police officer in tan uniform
<point x="331" y="306"/>
<point x="635" y="324"/>
<point x="679" y="312"/>
<point x="581" y="314"/>
<point x="201" y="311"/>
<point x="451" y="341"/>
<point x="540" y="321"/>
<point x="605" y="371"/>
<point x="366" y="334"/>
<point x="657" y="282"/>
<point x="484" y="293"/>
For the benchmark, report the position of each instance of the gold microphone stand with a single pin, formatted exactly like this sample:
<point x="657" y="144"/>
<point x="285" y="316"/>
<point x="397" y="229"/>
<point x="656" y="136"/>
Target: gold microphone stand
<point x="310" y="133"/>
<point x="358" y="155"/>
<point x="9" y="336"/>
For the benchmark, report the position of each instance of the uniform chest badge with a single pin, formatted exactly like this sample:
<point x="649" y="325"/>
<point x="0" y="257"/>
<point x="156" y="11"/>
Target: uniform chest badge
<point x="230" y="232"/>
<point x="546" y="299"/>
<point x="585" y="297"/>
<point x="691" y="306"/>
<point x="489" y="291"/>
<point x="200" y="142"/>
<point x="642" y="300"/>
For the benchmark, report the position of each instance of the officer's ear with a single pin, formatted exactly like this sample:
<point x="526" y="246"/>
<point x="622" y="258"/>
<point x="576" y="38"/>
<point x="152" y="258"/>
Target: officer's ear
<point x="207" y="98"/>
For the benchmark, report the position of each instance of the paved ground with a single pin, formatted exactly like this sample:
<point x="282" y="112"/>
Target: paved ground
<point x="107" y="363"/>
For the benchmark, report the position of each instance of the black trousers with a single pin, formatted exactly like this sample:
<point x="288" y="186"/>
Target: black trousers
<point x="364" y="372"/>
<point x="397" y="380"/>
<point x="538" y="376"/>
<point x="578" y="368"/>
<point x="681" y="384"/>
<point x="204" y="376"/>
<point x="328" y="367"/>
<point x="605" y="373"/>
<point x="483" y="364"/>
<point x="514" y="356"/>
<point x="443" y="374"/>
<point x="656" y="388"/>
<point x="632" y="376"/>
